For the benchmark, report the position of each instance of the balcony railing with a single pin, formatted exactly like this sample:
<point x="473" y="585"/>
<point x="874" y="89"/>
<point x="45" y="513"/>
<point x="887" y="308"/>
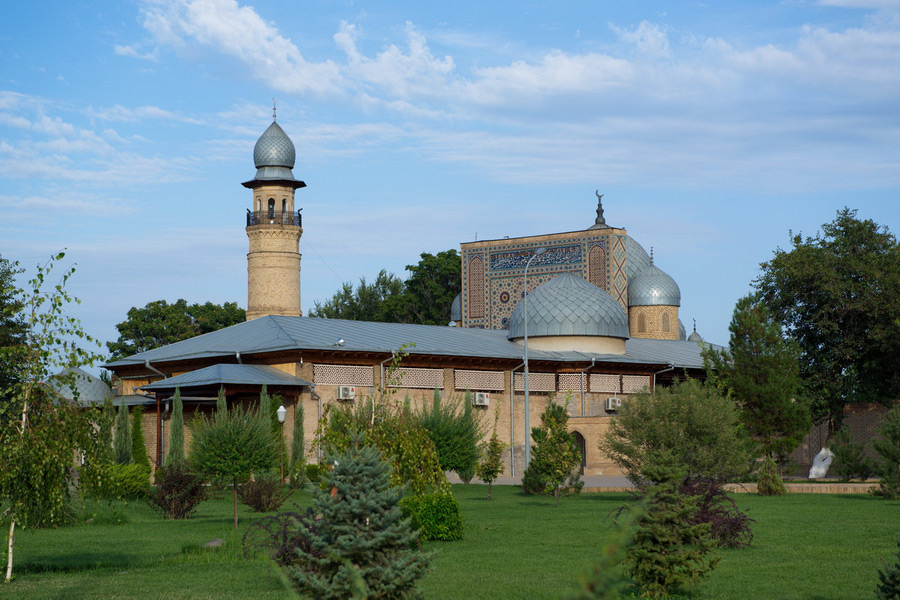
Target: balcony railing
<point x="272" y="217"/>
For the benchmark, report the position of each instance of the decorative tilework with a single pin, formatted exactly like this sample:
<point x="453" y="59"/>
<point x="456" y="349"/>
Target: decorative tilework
<point x="414" y="377"/>
<point x="619" y="257"/>
<point x="632" y="384"/>
<point x="556" y="255"/>
<point x="537" y="382"/>
<point x="605" y="384"/>
<point x="569" y="382"/>
<point x="482" y="381"/>
<point x="344" y="375"/>
<point x="476" y="287"/>
<point x="597" y="266"/>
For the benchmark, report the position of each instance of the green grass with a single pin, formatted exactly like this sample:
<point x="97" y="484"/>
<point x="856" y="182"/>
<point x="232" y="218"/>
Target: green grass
<point x="806" y="547"/>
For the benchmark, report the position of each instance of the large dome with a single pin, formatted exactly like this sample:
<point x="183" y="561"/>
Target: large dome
<point x="636" y="258"/>
<point x="456" y="308"/>
<point x="653" y="287"/>
<point x="274" y="149"/>
<point x="569" y="306"/>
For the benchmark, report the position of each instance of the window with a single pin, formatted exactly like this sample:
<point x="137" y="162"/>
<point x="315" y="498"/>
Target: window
<point x="642" y="323"/>
<point x="665" y="322"/>
<point x="271" y="208"/>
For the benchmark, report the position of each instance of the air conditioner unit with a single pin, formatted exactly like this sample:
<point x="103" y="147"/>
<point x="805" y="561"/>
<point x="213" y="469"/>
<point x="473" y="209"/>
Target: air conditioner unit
<point x="346" y="392"/>
<point x="613" y="404"/>
<point x="482" y="399"/>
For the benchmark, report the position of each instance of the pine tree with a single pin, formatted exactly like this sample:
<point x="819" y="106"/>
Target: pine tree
<point x="770" y="483"/>
<point x="668" y="553"/>
<point x="138" y="449"/>
<point x="221" y="404"/>
<point x="297" y="465"/>
<point x="359" y="543"/>
<point x="122" y="442"/>
<point x="175" y="455"/>
<point x="491" y="465"/>
<point x="887" y="445"/>
<point x="888" y="587"/>
<point x="554" y="456"/>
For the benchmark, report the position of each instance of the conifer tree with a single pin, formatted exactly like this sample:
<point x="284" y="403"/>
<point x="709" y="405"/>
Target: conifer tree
<point x="888" y="587"/>
<point x="265" y="402"/>
<point x="887" y="445"/>
<point x="123" y="445"/>
<point x="554" y="456"/>
<point x="359" y="543"/>
<point x="175" y="455"/>
<point x="297" y="464"/>
<point x="138" y="449"/>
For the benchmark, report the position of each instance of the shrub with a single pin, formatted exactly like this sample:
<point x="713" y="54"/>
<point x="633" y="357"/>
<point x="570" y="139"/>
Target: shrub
<point x="138" y="449"/>
<point x="888" y="587"/>
<point x="128" y="481"/>
<point x="770" y="483"/>
<point x="280" y="536"/>
<point x="263" y="493"/>
<point x="728" y="525"/>
<point x="455" y="431"/>
<point x="122" y="443"/>
<point x="491" y="465"/>
<point x="466" y="475"/>
<point x="554" y="457"/>
<point x="690" y="421"/>
<point x="436" y="516"/>
<point x="316" y="472"/>
<point x="850" y="459"/>
<point x="177" y="492"/>
<point x="887" y="445"/>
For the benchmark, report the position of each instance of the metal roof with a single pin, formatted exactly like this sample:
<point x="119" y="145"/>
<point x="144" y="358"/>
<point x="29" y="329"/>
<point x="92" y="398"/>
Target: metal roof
<point x="88" y="388"/>
<point x="274" y="149"/>
<point x="278" y="333"/>
<point x="653" y="287"/>
<point x="636" y="258"/>
<point x="228" y="373"/>
<point x="456" y="308"/>
<point x="569" y="305"/>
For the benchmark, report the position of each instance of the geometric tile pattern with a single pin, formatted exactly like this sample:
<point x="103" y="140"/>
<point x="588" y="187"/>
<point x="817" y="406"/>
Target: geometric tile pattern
<point x="606" y="384"/>
<point x="537" y="382"/>
<point x="344" y="375"/>
<point x="569" y="382"/>
<point x="481" y="381"/>
<point x="597" y="267"/>
<point x="633" y="384"/>
<point x="476" y="288"/>
<point x="419" y="378"/>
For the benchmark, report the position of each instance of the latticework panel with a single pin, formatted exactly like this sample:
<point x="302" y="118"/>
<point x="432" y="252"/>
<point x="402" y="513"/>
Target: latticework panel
<point x="476" y="288"/>
<point x="490" y="381"/>
<point x="605" y="384"/>
<point x="344" y="375"/>
<point x="537" y="382"/>
<point x="569" y="382"/>
<point x="632" y="384"/>
<point x="597" y="266"/>
<point x="415" y="377"/>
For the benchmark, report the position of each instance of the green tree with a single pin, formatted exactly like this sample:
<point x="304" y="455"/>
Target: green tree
<point x="491" y="465"/>
<point x="691" y="421"/>
<point x="123" y="444"/>
<point x="175" y="455"/>
<point x="297" y="465"/>
<point x="160" y="323"/>
<point x="39" y="432"/>
<point x="13" y="326"/>
<point x="455" y="431"/>
<point x="888" y="587"/>
<point x="232" y="446"/>
<point x="838" y="295"/>
<point x="360" y="545"/>
<point x="887" y="445"/>
<point x="363" y="304"/>
<point x="761" y="372"/>
<point x="669" y="553"/>
<point x="554" y="457"/>
<point x="138" y="449"/>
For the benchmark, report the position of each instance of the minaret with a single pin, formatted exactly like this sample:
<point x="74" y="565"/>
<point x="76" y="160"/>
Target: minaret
<point x="273" y="228"/>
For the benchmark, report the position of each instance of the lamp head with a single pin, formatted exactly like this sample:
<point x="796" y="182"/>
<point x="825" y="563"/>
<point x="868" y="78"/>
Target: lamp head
<point x="282" y="413"/>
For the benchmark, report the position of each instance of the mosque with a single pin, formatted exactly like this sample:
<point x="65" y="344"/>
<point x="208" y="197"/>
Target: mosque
<point x="600" y="322"/>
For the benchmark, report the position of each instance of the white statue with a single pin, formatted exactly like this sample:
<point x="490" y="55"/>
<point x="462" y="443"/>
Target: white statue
<point x="821" y="463"/>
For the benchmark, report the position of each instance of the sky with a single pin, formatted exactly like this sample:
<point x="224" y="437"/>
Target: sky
<point x="713" y="129"/>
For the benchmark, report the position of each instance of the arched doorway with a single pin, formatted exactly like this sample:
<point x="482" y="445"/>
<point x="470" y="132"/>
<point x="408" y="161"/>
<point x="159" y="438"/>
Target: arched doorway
<point x="582" y="449"/>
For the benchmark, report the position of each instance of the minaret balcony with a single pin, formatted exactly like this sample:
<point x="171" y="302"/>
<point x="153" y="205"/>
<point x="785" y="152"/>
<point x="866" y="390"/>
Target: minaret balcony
<point x="272" y="217"/>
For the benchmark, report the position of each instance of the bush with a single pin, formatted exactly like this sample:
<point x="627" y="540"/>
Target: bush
<point x="436" y="516"/>
<point x="850" y="460"/>
<point x="456" y="431"/>
<point x="279" y="536"/>
<point x="770" y="483"/>
<point x="728" y="525"/>
<point x="889" y="581"/>
<point x="315" y="473"/>
<point x="693" y="422"/>
<point x="177" y="492"/>
<point x="887" y="445"/>
<point x="264" y="493"/>
<point x="118" y="481"/>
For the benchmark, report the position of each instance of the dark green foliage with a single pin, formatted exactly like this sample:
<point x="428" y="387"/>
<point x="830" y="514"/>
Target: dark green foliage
<point x="360" y="544"/>
<point x="297" y="464"/>
<point x="138" y="449"/>
<point x="669" y="553"/>
<point x="175" y="455"/>
<point x="888" y="587"/>
<point x="13" y="326"/>
<point x="122" y="442"/>
<point x="160" y="323"/>
<point x="887" y="445"/>
<point x="436" y="516"/>
<point x="690" y="421"/>
<point x="770" y="483"/>
<point x="554" y="456"/>
<point x="177" y="492"/>
<point x="316" y="472"/>
<point x="850" y="458"/>
<point x="455" y="431"/>
<point x="491" y="465"/>
<point x="760" y="370"/>
<point x="279" y="536"/>
<point x="837" y="295"/>
<point x="608" y="579"/>
<point x="364" y="304"/>
<point x="105" y="420"/>
<point x="729" y="526"/>
<point x="263" y="493"/>
<point x="231" y="447"/>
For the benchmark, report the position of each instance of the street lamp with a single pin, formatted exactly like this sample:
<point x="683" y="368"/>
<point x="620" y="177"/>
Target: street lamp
<point x="537" y="253"/>
<point x="282" y="413"/>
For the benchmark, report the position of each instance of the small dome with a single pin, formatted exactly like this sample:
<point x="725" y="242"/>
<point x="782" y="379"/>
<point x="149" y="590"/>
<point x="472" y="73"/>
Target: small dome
<point x="456" y="308"/>
<point x="653" y="287"/>
<point x="274" y="149"/>
<point x="569" y="306"/>
<point x="695" y="337"/>
<point x="682" y="332"/>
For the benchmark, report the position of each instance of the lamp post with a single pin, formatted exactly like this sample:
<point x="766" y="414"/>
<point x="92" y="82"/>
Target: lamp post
<point x="537" y="253"/>
<point x="282" y="413"/>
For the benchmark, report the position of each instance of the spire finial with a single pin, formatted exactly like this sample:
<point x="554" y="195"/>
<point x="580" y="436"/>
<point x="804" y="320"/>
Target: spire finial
<point x="651" y="255"/>
<point x="599" y="222"/>
<point x="273" y="110"/>
<point x="695" y="325"/>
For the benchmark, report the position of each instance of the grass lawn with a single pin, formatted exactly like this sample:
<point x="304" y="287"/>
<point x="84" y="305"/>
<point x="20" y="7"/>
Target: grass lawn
<point x="810" y="547"/>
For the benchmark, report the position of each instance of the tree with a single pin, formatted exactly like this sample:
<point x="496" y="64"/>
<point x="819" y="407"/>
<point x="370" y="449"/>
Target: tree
<point x="888" y="587"/>
<point x="690" y="421"/>
<point x="491" y="465"/>
<point x="13" y="326"/>
<point x="138" y="449"/>
<point x="160" y="323"/>
<point x="887" y="445"/>
<point x="175" y="455"/>
<point x="360" y="545"/>
<point x="232" y="446"/>
<point x="364" y="304"/>
<point x="123" y="444"/>
<point x="761" y="373"/>
<point x="297" y="464"/>
<point x="455" y="431"/>
<point x="39" y="432"/>
<point x="554" y="456"/>
<point x="838" y="295"/>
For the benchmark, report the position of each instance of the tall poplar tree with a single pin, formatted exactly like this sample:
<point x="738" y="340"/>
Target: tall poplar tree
<point x="122" y="442"/>
<point x="175" y="455"/>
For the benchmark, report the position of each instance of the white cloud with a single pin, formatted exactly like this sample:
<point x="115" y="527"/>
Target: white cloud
<point x="649" y="39"/>
<point x="133" y="52"/>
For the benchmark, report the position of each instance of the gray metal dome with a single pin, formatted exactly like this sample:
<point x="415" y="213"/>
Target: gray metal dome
<point x="636" y="258"/>
<point x="569" y="305"/>
<point x="653" y="287"/>
<point x="456" y="308"/>
<point x="695" y="337"/>
<point x="274" y="149"/>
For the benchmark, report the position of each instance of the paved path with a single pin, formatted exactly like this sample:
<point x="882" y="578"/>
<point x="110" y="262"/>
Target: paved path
<point x="590" y="481"/>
